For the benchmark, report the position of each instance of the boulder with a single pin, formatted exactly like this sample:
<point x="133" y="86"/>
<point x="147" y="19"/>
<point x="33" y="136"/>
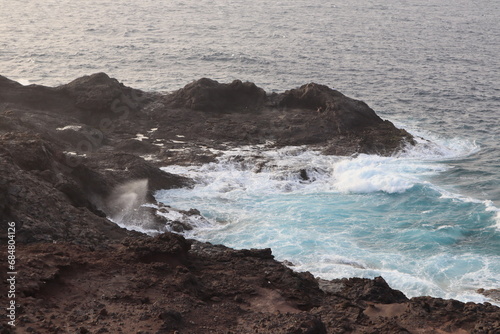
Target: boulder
<point x="211" y="96"/>
<point x="348" y="114"/>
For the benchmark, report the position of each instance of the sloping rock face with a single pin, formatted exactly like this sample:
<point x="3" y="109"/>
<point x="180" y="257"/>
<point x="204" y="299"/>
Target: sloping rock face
<point x="53" y="199"/>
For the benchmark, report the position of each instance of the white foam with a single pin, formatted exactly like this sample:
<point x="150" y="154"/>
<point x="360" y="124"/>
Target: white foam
<point x="262" y="170"/>
<point x="492" y="208"/>
<point x="75" y="154"/>
<point x="135" y="227"/>
<point x="366" y="174"/>
<point x="489" y="206"/>
<point x="150" y="157"/>
<point x="140" y="137"/>
<point x="24" y="82"/>
<point x="70" y="127"/>
<point x="430" y="146"/>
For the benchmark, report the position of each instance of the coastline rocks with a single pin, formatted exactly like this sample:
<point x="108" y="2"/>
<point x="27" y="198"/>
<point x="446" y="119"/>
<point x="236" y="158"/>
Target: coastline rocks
<point x="310" y="115"/>
<point x="52" y="197"/>
<point x="75" y="155"/>
<point x="371" y="290"/>
<point x="95" y="112"/>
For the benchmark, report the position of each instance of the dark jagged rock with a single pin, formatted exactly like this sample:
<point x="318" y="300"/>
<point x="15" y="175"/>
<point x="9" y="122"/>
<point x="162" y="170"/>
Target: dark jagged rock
<point x="95" y="92"/>
<point x="56" y="199"/>
<point x="310" y="115"/>
<point x="166" y="247"/>
<point x="372" y="290"/>
<point x="347" y="113"/>
<point x="43" y="213"/>
<point x="99" y="96"/>
<point x="95" y="111"/>
<point x="209" y="95"/>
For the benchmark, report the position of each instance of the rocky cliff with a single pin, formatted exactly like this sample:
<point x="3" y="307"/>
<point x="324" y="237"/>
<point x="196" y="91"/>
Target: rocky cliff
<point x="75" y="156"/>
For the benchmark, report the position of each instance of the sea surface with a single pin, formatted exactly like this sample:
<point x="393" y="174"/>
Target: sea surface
<point x="427" y="219"/>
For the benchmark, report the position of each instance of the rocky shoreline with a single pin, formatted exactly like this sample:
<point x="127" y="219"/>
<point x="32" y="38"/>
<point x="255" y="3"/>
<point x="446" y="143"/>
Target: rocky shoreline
<point x="73" y="156"/>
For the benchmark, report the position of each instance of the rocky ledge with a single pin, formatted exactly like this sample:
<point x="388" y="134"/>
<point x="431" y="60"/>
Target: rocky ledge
<point x="75" y="156"/>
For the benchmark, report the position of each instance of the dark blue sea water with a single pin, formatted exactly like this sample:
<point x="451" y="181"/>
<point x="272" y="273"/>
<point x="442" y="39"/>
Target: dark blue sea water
<point x="427" y="220"/>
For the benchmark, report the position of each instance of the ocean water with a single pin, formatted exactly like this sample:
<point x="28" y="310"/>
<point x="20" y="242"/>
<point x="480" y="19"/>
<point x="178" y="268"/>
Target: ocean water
<point x="427" y="219"/>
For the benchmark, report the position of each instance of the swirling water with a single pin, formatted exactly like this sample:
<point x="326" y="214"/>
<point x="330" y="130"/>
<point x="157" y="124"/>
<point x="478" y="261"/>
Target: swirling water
<point x="427" y="220"/>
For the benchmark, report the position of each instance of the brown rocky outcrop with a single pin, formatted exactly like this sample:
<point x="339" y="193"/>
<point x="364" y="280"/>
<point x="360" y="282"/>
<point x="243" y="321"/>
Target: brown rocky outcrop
<point x="167" y="284"/>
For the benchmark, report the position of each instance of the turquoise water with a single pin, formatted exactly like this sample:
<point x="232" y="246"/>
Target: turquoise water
<point x="426" y="220"/>
<point x="359" y="216"/>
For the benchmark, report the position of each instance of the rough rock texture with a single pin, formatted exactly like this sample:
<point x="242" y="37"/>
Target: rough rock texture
<point x="167" y="284"/>
<point x="75" y="155"/>
<point x="209" y="95"/>
<point x="57" y="170"/>
<point x="310" y="115"/>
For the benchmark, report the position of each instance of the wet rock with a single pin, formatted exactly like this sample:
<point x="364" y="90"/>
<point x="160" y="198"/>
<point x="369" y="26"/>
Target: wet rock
<point x="494" y="294"/>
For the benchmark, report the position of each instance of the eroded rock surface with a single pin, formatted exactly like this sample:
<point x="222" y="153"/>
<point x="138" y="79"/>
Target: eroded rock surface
<point x="167" y="284"/>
